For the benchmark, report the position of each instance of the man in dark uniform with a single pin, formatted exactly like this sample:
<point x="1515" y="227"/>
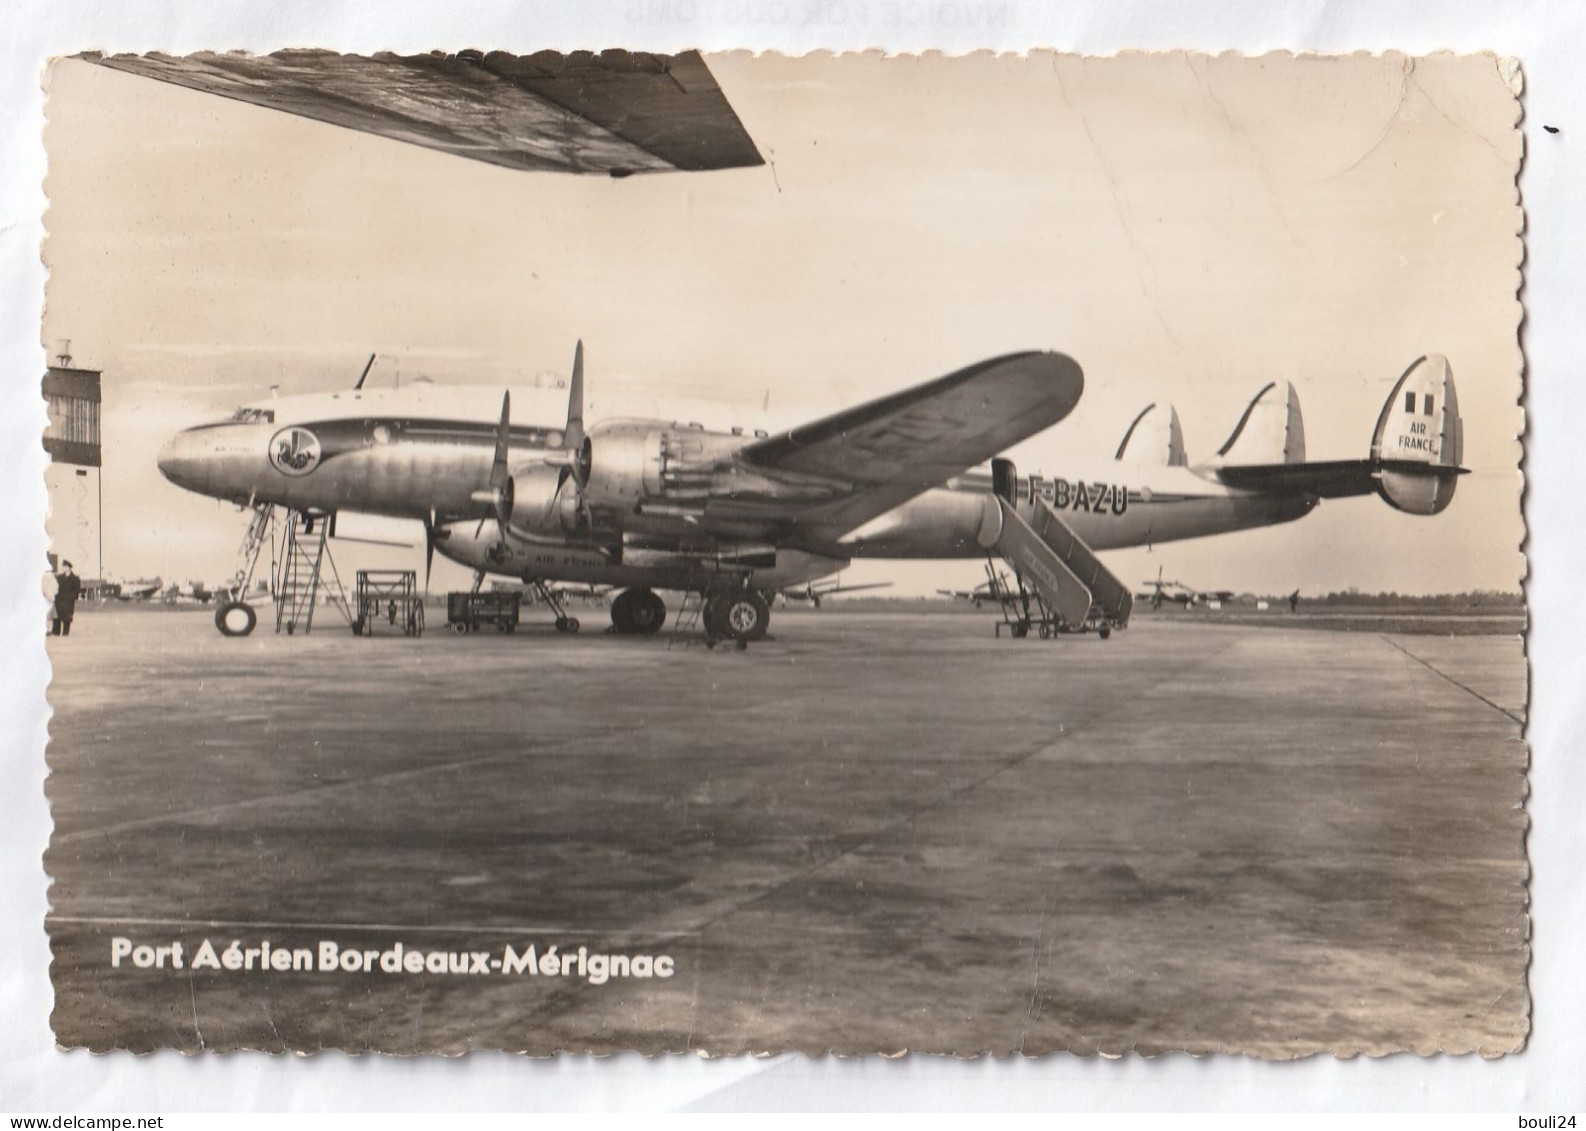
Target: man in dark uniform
<point x="67" y="586"/>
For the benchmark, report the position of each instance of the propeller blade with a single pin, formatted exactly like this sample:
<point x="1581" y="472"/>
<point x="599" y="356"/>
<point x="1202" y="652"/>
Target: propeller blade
<point x="429" y="549"/>
<point x="498" y="466"/>
<point x="500" y="475"/>
<point x="575" y="401"/>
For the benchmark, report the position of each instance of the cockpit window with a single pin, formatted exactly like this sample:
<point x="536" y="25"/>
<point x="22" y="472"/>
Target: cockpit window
<point x="254" y="416"/>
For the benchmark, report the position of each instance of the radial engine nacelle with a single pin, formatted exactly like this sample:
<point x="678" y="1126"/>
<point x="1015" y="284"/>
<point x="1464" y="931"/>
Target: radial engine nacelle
<point x="545" y="499"/>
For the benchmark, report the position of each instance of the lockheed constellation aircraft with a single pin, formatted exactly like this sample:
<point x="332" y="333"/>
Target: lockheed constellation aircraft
<point x="647" y="505"/>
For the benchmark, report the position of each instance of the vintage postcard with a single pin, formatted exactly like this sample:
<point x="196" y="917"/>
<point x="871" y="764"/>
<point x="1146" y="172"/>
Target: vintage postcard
<point x="729" y="553"/>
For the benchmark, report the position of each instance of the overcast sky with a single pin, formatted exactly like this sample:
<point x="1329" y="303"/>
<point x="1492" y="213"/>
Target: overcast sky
<point x="1186" y="228"/>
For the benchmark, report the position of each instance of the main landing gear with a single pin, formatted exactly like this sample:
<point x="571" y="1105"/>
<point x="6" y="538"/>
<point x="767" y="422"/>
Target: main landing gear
<point x="638" y="612"/>
<point x="741" y="615"/>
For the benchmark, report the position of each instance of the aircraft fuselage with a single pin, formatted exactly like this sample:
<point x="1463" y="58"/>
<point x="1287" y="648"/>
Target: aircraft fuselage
<point x="425" y="452"/>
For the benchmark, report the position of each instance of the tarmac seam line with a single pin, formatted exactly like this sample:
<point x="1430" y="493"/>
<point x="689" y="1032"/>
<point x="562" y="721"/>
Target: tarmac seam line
<point x="309" y="791"/>
<point x="1463" y="687"/>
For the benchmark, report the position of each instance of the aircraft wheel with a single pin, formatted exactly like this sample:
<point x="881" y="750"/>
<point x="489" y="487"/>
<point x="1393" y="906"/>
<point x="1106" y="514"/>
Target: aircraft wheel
<point x="741" y="614"/>
<point x="1021" y="630"/>
<point x="649" y="613"/>
<point x="234" y="618"/>
<point x="567" y="624"/>
<point x="638" y="612"/>
<point x="459" y="627"/>
<point x="1104" y="632"/>
<point x="1046" y="631"/>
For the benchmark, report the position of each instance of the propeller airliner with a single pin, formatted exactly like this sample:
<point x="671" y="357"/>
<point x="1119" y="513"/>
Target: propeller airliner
<point x="651" y="505"/>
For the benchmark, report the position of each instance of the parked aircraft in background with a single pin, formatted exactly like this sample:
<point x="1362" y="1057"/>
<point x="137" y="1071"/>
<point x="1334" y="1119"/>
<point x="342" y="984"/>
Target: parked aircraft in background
<point x="196" y="591"/>
<point x="1177" y="593"/>
<point x="598" y="595"/>
<point x="143" y="589"/>
<point x="998" y="587"/>
<point x="815" y="592"/>
<point x="647" y="505"/>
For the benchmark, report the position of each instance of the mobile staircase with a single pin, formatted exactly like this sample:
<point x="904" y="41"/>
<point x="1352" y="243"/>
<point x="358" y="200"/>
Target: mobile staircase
<point x="1062" y="587"/>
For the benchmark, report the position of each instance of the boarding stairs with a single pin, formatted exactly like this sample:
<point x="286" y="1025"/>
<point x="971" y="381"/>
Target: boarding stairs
<point x="1074" y="589"/>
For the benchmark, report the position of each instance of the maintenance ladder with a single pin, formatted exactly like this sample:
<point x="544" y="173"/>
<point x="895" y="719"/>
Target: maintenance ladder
<point x="301" y="567"/>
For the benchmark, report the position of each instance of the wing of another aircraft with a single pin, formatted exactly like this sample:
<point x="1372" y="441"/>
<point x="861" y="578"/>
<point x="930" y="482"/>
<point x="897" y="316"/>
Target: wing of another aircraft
<point x="881" y="454"/>
<point x="617" y="112"/>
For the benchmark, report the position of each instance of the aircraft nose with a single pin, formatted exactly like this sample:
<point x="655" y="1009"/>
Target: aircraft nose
<point x="180" y="461"/>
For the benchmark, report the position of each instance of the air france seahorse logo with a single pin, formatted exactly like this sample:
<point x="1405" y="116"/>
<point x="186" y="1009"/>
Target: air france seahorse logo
<point x="294" y="451"/>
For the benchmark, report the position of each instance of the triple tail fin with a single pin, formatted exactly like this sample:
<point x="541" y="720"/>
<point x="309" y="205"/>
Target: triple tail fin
<point x="1415" y="448"/>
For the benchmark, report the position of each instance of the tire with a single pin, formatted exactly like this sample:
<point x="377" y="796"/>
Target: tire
<point x="1046" y="631"/>
<point x="459" y="627"/>
<point x="573" y="625"/>
<point x="638" y="612"/>
<point x="739" y="614"/>
<point x="240" y="625"/>
<point x="1104" y="632"/>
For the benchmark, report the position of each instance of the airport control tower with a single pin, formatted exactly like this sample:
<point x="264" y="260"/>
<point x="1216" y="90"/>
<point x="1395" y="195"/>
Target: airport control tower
<point x="74" y="477"/>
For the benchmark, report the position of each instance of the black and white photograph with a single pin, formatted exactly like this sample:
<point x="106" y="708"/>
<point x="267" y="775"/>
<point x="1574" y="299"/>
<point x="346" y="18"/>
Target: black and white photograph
<point x="750" y="553"/>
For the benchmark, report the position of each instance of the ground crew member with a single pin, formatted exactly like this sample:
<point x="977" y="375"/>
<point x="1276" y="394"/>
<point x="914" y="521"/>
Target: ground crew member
<point x="67" y="587"/>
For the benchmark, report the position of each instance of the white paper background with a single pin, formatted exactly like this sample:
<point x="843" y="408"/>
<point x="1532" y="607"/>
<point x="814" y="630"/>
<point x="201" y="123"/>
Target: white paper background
<point x="1547" y="37"/>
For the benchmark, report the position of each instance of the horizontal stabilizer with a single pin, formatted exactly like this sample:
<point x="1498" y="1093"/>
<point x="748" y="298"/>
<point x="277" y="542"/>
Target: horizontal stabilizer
<point x="1154" y="439"/>
<point x="1328" y="479"/>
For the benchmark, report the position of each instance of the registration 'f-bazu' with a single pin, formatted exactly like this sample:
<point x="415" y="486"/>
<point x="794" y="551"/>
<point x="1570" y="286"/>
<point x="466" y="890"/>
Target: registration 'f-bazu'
<point x="647" y="505"/>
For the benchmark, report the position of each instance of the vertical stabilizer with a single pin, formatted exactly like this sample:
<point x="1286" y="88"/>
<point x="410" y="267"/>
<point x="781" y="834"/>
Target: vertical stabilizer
<point x="1419" y="439"/>
<point x="1271" y="431"/>
<point x="1154" y="438"/>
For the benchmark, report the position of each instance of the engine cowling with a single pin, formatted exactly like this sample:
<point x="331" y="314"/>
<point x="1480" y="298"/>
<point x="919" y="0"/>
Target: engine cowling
<point x="625" y="464"/>
<point x="545" y="500"/>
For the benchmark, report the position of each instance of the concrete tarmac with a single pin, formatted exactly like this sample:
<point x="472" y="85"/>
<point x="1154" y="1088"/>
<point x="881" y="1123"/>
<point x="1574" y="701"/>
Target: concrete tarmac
<point x="871" y="833"/>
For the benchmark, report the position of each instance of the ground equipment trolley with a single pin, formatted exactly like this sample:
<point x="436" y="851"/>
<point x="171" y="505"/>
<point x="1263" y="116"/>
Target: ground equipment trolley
<point x="387" y="597"/>
<point x="469" y="612"/>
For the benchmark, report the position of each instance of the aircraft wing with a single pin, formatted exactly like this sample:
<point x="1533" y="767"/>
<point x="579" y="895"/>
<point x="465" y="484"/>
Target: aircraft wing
<point x="1331" y="479"/>
<point x="881" y="454"/>
<point x="617" y="112"/>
